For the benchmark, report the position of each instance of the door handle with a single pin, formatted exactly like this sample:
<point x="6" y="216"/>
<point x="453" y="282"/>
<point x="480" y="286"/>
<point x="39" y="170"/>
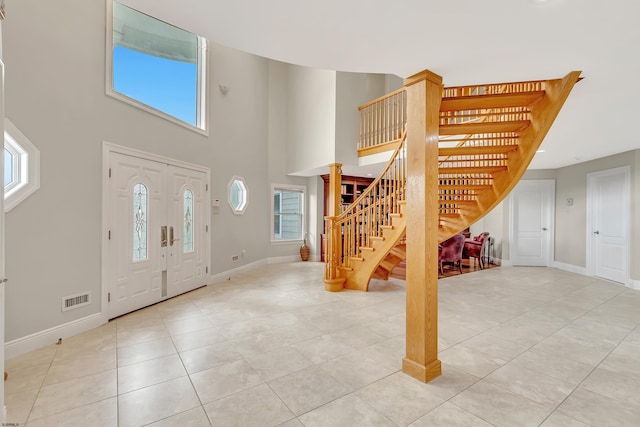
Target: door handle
<point x="163" y="236"/>
<point x="4" y="280"/>
<point x="596" y="232"/>
<point x="544" y="228"/>
<point x="171" y="239"/>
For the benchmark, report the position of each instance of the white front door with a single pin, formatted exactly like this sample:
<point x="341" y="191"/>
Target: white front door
<point x="157" y="232"/>
<point x="608" y="223"/>
<point x="186" y="266"/>
<point x="532" y="204"/>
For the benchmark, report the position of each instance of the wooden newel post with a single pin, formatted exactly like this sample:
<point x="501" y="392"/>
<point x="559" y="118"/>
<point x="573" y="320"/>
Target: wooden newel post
<point x="424" y="94"/>
<point x="334" y="239"/>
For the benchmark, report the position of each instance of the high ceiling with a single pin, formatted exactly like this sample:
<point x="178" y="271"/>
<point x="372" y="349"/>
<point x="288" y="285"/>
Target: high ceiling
<point x="464" y="41"/>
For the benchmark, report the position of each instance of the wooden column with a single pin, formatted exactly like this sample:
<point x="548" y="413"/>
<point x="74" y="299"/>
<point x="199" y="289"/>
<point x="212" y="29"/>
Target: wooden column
<point x="331" y="282"/>
<point x="335" y="186"/>
<point x="424" y="93"/>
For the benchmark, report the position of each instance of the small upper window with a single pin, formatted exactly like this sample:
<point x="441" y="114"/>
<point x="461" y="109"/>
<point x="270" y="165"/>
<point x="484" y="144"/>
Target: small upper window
<point x="21" y="166"/>
<point x="158" y="65"/>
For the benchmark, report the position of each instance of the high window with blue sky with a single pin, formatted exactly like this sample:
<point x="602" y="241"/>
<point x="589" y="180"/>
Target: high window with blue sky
<point x="157" y="66"/>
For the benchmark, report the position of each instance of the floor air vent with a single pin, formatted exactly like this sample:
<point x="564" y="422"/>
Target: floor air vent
<point x="76" y="301"/>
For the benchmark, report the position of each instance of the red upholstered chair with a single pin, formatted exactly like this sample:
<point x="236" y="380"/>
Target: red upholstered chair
<point x="474" y="248"/>
<point x="450" y="251"/>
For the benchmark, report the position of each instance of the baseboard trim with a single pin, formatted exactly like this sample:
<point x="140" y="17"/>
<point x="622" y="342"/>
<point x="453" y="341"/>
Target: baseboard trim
<point x="282" y="259"/>
<point x="569" y="267"/>
<point x="634" y="284"/>
<point x="50" y="336"/>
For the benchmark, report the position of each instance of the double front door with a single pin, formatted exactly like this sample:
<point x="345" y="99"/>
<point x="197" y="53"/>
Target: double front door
<point x="157" y="231"/>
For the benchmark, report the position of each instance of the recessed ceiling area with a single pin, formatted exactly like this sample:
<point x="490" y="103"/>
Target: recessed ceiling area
<point x="464" y="41"/>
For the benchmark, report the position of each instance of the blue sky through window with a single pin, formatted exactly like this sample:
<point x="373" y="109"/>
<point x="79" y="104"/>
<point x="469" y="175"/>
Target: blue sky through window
<point x="166" y="85"/>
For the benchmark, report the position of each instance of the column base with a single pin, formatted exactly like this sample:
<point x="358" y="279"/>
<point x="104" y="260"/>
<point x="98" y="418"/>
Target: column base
<point x="421" y="372"/>
<point x="334" y="285"/>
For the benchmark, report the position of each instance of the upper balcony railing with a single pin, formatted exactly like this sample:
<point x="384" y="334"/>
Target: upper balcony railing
<point x="382" y="121"/>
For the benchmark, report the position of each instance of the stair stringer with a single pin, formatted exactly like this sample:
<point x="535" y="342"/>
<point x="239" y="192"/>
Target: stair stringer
<point x="543" y="113"/>
<point x="360" y="276"/>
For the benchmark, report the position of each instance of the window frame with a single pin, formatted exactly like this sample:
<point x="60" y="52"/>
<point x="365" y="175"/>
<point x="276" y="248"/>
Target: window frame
<point x="245" y="195"/>
<point x="290" y="188"/>
<point x="26" y="166"/>
<point x="202" y="92"/>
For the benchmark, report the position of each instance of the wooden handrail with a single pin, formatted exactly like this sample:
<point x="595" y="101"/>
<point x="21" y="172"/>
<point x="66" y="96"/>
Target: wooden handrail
<point x="352" y="231"/>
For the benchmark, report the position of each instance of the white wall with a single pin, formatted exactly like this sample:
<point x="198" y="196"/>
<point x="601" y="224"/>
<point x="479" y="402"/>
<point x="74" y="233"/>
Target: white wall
<point x="311" y="113"/>
<point x="55" y="79"/>
<point x="353" y="90"/>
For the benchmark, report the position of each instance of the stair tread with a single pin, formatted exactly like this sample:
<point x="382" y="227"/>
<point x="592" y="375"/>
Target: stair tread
<point x="471" y="170"/>
<point x="498" y="100"/>
<point x="476" y="150"/>
<point x="484" y="127"/>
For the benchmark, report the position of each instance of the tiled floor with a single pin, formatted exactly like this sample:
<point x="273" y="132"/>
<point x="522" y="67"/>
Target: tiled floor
<point x="519" y="347"/>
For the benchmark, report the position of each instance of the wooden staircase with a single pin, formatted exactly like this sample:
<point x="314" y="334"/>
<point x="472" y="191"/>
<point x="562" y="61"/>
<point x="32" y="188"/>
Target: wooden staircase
<point x="488" y="135"/>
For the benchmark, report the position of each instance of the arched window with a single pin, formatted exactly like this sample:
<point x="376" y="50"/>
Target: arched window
<point x="140" y="222"/>
<point x="188" y="221"/>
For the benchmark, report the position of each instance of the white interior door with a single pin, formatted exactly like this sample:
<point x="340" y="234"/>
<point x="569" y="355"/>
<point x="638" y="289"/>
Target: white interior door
<point x="608" y="223"/>
<point x="532" y="203"/>
<point x="158" y="231"/>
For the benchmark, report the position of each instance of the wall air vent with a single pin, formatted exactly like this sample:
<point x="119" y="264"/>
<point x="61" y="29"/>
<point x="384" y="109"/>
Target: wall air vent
<point x="76" y="301"/>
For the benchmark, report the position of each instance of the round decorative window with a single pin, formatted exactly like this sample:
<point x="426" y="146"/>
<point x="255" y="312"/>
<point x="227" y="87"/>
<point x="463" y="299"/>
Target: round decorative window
<point x="237" y="195"/>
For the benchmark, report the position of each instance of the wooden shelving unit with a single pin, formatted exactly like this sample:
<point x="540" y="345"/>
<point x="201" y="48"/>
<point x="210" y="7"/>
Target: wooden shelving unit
<point x="351" y="188"/>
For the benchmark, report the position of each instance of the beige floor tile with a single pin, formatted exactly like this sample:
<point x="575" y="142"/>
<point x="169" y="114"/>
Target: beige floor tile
<point x="499" y="406"/>
<point x="400" y="398"/>
<point x="278" y="363"/>
<point x="449" y="415"/>
<point x="358" y="369"/>
<point x="557" y="419"/>
<point x="614" y="386"/>
<point x="346" y="411"/>
<point x="358" y="336"/>
<point x="42" y="356"/>
<point x="258" y="406"/>
<point x="99" y="414"/>
<point x="554" y="366"/>
<point x="156" y="402"/>
<point x="154" y="371"/>
<point x="322" y="348"/>
<point x="19" y="406"/>
<point x="195" y="417"/>
<point x="451" y="382"/>
<point x="597" y="410"/>
<point x="224" y="380"/>
<point x="307" y="389"/>
<point x="63" y="396"/>
<point x="191" y="324"/>
<point x="471" y="361"/>
<point x="533" y="385"/>
<point x="136" y="353"/>
<point x="199" y="338"/>
<point x="203" y="358"/>
<point x="25" y="378"/>
<point x="70" y="365"/>
<point x="534" y="333"/>
<point x="137" y="336"/>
